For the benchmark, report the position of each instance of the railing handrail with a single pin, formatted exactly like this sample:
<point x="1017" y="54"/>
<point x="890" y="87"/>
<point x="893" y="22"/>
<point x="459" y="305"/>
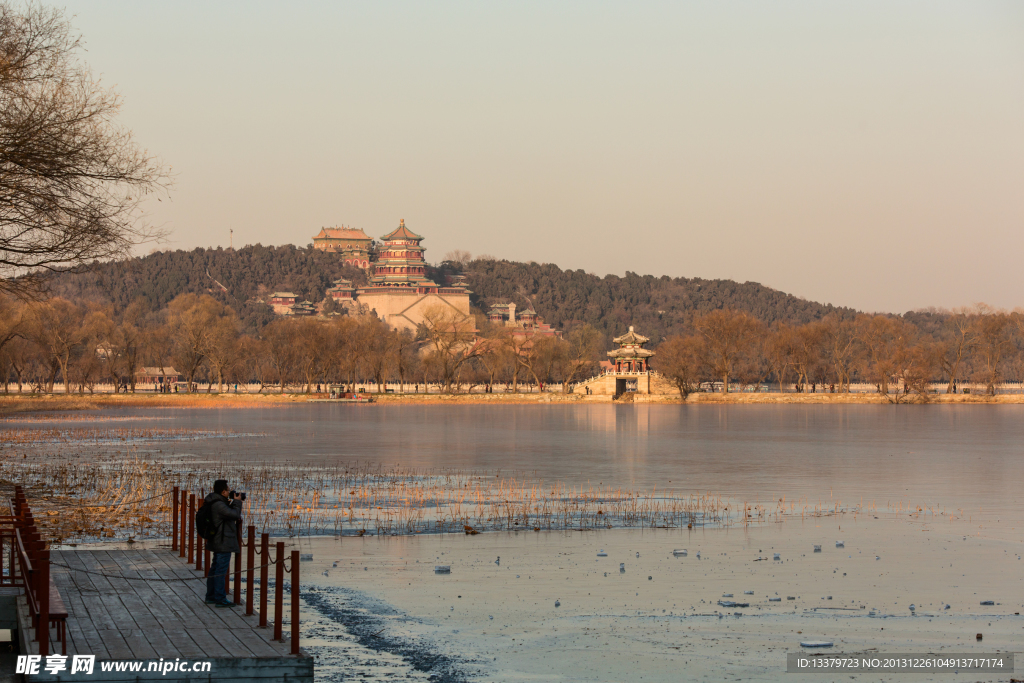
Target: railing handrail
<point x="33" y="565"/>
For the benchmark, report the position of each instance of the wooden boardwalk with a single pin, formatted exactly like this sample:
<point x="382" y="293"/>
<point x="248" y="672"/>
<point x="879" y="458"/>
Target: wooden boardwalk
<point x="121" y="619"/>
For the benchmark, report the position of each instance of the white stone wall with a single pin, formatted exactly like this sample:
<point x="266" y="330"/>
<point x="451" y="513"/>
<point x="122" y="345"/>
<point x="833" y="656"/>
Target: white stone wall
<point x="404" y="310"/>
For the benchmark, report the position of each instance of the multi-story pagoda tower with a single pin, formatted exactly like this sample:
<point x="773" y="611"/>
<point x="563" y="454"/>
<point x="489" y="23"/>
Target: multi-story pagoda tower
<point x="400" y="262"/>
<point x="399" y="291"/>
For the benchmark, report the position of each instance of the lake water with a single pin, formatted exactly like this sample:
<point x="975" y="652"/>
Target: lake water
<point x="966" y="457"/>
<point x="373" y="607"/>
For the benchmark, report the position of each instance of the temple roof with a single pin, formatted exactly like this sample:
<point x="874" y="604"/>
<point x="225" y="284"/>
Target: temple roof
<point x="631" y="338"/>
<point x="401" y="233"/>
<point x="342" y="234"/>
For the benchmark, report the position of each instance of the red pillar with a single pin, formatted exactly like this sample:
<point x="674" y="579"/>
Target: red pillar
<point x="174" y="519"/>
<point x="295" y="602"/>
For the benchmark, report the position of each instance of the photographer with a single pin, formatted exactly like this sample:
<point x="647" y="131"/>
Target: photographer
<point x="225" y="512"/>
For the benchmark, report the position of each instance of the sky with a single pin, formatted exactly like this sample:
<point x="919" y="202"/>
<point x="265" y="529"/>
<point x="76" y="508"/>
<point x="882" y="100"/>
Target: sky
<point x="865" y="154"/>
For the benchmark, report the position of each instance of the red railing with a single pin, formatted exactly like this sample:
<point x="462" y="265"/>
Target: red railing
<point x="28" y="566"/>
<point x="25" y="563"/>
<point x="189" y="545"/>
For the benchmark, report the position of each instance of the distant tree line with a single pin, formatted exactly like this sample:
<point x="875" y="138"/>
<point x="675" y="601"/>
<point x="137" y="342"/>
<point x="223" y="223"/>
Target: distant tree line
<point x="54" y="341"/>
<point x="979" y="345"/>
<point x="46" y="342"/>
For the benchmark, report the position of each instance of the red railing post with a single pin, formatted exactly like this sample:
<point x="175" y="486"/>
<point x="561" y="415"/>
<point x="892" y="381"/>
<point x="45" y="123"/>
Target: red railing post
<point x="238" y="565"/>
<point x="279" y="593"/>
<point x="174" y="519"/>
<point x="264" y="577"/>
<point x="295" y="602"/>
<point x="184" y="525"/>
<point x="191" y="527"/>
<point x="250" y="557"/>
<point x="41" y="568"/>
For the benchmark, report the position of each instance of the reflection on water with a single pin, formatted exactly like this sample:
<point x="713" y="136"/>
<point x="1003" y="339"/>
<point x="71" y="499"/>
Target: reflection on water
<point x="954" y="456"/>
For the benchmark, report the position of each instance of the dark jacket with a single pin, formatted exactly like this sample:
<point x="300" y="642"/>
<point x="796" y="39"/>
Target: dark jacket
<point x="225" y="516"/>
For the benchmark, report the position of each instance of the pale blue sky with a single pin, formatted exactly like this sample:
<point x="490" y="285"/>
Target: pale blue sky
<point x="861" y="153"/>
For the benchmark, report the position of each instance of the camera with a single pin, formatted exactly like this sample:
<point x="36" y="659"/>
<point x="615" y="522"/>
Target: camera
<point x="240" y="494"/>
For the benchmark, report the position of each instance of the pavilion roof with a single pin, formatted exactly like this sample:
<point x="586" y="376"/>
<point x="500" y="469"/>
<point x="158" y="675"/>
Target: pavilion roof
<point x="401" y="233"/>
<point x="631" y="338"/>
<point x="630" y="352"/>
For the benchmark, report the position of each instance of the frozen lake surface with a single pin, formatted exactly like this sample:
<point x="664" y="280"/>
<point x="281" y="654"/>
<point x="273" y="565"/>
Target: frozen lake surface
<point x="383" y="614"/>
<point x="660" y="619"/>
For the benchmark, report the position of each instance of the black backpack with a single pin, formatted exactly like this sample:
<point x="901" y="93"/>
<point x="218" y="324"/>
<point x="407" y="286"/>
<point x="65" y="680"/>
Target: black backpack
<point x="204" y="522"/>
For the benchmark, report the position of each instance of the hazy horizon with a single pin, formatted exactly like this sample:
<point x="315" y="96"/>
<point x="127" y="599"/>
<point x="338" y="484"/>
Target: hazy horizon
<point x="861" y="154"/>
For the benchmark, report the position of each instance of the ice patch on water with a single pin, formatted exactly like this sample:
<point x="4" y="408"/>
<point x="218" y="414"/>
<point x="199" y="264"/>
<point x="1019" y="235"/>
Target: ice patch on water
<point x="354" y="636"/>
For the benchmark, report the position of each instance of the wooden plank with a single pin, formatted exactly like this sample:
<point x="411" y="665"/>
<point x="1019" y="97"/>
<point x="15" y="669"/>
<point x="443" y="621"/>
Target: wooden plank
<point x="230" y="643"/>
<point x="261" y="644"/>
<point x="140" y="611"/>
<point x="96" y="611"/>
<point x="87" y="640"/>
<point x="183" y="643"/>
<point x="114" y="642"/>
<point x="173" y="611"/>
<point x="81" y="580"/>
<point x="204" y="615"/>
<point x="210" y="646"/>
<point x="139" y="644"/>
<point x="93" y="560"/>
<point x="174" y="608"/>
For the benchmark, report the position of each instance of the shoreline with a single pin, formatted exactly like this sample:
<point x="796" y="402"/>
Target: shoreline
<point x="31" y="403"/>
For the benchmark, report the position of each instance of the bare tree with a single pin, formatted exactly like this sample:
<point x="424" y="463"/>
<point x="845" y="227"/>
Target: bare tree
<point x="729" y="336"/>
<point x="458" y="257"/>
<point x="406" y="356"/>
<point x="15" y="357"/>
<point x="11" y="320"/>
<point x="810" y="354"/>
<point x="254" y="362"/>
<point x="450" y="339"/>
<point x="193" y="322"/>
<point x="312" y="351"/>
<point x="71" y="178"/>
<point x="56" y="328"/>
<point x="279" y="344"/>
<point x="514" y="347"/>
<point x="840" y="339"/>
<point x="777" y="348"/>
<point x="539" y="357"/>
<point x="222" y="351"/>
<point x="682" y="360"/>
<point x="959" y="337"/>
<point x="125" y="342"/>
<point x="381" y="358"/>
<point x="992" y="331"/>
<point x="882" y="339"/>
<point x="579" y="353"/>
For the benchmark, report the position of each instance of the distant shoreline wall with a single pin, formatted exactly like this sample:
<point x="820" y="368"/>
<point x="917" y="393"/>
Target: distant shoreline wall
<point x="14" y="404"/>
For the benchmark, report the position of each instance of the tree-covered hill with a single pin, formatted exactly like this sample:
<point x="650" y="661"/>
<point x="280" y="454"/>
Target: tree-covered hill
<point x="246" y="274"/>
<point x="657" y="306"/>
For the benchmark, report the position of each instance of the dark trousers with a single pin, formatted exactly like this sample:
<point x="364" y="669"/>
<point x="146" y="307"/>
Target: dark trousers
<point x="219" y="568"/>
